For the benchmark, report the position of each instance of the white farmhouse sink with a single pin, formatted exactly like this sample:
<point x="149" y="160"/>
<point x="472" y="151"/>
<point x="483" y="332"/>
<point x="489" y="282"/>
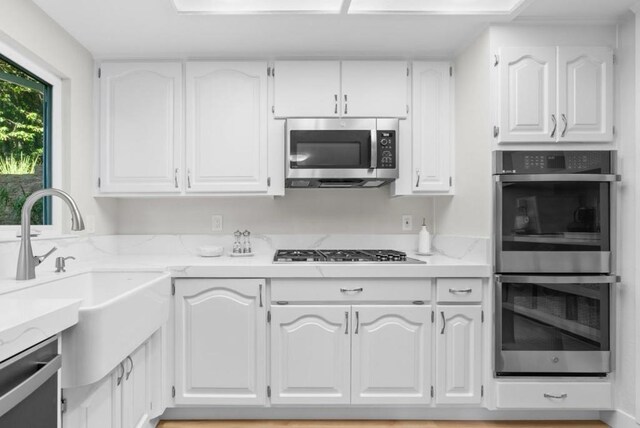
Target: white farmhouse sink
<point x="119" y="311"/>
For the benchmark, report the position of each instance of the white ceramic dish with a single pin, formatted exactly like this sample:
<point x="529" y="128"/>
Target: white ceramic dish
<point x="210" y="251"/>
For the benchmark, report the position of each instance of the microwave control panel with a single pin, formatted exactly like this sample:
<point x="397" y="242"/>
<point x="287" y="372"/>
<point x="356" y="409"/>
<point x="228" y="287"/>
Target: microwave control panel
<point x="387" y="149"/>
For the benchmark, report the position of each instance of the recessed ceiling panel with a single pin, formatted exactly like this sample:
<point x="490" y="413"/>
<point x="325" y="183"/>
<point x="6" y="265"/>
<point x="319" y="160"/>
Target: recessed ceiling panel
<point x="448" y="7"/>
<point x="257" y="6"/>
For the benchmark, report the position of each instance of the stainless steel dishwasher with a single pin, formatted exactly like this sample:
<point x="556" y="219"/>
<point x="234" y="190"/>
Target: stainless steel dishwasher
<point x="29" y="387"/>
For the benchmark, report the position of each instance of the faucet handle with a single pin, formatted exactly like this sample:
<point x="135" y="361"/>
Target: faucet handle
<point x="40" y="259"/>
<point x="60" y="263"/>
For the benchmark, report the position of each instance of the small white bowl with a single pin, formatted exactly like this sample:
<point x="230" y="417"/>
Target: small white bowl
<point x="210" y="251"/>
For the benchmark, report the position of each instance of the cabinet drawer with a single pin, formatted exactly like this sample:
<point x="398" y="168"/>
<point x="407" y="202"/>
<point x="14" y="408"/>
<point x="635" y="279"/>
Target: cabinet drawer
<point x="457" y="290"/>
<point x="554" y="395"/>
<point x="356" y="290"/>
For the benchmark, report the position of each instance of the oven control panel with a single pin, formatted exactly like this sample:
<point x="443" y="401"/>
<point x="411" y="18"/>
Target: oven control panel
<point x="554" y="162"/>
<point x="387" y="149"/>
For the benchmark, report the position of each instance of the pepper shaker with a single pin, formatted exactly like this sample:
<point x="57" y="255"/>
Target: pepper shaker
<point x="246" y="246"/>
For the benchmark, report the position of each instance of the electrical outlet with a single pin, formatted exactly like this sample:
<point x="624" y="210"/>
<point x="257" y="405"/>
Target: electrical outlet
<point x="216" y="223"/>
<point x="407" y="222"/>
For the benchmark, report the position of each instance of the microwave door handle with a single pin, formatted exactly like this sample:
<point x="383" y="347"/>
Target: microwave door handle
<point x="374" y="149"/>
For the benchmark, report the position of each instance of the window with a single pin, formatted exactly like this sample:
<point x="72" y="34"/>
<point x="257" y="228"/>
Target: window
<point x="25" y="143"/>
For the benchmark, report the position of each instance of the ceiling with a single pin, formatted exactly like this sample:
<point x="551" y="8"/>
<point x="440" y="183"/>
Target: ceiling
<point x="153" y="29"/>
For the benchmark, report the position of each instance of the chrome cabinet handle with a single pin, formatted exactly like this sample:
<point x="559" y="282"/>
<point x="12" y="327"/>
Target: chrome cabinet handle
<point x="346" y="323"/>
<point x="175" y="178"/>
<point x="357" y="321"/>
<point x="131" y="369"/>
<point x="559" y="397"/>
<point x="346" y="105"/>
<point x="189" y="178"/>
<point x="444" y="322"/>
<point x="555" y="125"/>
<point x="260" y="295"/>
<point x="461" y="291"/>
<point x="119" y="381"/>
<point x="566" y="124"/>
<point x="19" y="392"/>
<point x="351" y="290"/>
<point x="417" y="177"/>
<point x="335" y="107"/>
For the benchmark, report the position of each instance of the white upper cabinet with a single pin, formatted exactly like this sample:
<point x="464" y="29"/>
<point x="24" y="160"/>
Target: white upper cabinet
<point x="555" y="94"/>
<point x="140" y="127"/>
<point x="226" y="127"/>
<point x="334" y="88"/>
<point x="310" y="354"/>
<point x="527" y="100"/>
<point x="431" y="93"/>
<point x="391" y="348"/>
<point x="220" y="342"/>
<point x="374" y="88"/>
<point x="459" y="354"/>
<point x="307" y="88"/>
<point x="585" y="94"/>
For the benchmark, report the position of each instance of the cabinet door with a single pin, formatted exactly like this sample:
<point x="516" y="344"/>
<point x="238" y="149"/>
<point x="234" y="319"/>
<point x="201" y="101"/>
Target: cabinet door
<point x="431" y="127"/>
<point x="136" y="397"/>
<point x="227" y="134"/>
<point x="374" y="88"/>
<point x="527" y="99"/>
<point x="220" y="342"/>
<point x="310" y="354"/>
<point x="97" y="405"/>
<point x="140" y="127"/>
<point x="391" y="346"/>
<point x="307" y="88"/>
<point x="459" y="351"/>
<point x="585" y="94"/>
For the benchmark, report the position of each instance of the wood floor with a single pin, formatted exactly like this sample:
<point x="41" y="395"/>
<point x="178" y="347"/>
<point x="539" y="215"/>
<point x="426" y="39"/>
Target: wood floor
<point x="381" y="424"/>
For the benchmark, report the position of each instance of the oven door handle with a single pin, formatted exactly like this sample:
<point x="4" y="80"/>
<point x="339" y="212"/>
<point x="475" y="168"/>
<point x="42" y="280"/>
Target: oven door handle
<point x="536" y="279"/>
<point x="516" y="178"/>
<point x="374" y="149"/>
<point x="16" y="395"/>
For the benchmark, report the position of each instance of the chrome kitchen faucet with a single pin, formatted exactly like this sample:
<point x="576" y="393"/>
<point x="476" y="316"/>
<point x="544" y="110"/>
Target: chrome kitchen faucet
<point x="27" y="262"/>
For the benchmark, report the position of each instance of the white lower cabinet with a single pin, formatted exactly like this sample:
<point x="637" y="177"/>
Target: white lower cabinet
<point x="459" y="354"/>
<point x="342" y="354"/>
<point x="390" y="355"/>
<point x="122" y="399"/>
<point x="220" y="342"/>
<point x="554" y="395"/>
<point x="310" y="354"/>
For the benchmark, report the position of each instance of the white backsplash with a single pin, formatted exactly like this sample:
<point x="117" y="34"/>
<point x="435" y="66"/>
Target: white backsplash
<point x="94" y="248"/>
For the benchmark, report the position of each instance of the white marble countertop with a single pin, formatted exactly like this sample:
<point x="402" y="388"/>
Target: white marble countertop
<point x="25" y="322"/>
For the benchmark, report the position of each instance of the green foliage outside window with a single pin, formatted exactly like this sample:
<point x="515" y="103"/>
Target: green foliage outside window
<point x="22" y="113"/>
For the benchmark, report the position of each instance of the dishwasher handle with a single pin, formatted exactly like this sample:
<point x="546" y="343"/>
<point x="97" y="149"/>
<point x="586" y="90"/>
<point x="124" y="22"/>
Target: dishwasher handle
<point x="16" y="395"/>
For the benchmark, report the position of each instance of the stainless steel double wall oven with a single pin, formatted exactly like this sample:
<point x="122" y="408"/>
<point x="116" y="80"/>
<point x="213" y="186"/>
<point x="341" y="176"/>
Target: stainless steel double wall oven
<point x="554" y="262"/>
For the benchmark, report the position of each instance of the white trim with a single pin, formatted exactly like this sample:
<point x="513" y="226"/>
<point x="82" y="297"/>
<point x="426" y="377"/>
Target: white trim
<point x="20" y="56"/>
<point x="618" y="419"/>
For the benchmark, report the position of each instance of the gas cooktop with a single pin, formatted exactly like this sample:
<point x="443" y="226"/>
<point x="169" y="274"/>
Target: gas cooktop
<point x="343" y="256"/>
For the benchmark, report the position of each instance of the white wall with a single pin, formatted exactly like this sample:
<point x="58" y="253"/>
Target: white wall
<point x="469" y="211"/>
<point x="29" y="30"/>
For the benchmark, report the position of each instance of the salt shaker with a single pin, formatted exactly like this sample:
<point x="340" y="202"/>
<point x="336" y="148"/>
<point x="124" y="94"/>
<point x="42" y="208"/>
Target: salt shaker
<point x="246" y="246"/>
<point x="237" y="246"/>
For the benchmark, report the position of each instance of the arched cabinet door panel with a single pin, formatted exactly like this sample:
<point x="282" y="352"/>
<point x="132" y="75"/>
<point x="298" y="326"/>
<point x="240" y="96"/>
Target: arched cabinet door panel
<point x="140" y="127"/>
<point x="391" y="348"/>
<point x="310" y="354"/>
<point x="527" y="95"/>
<point x="459" y="354"/>
<point x="220" y="339"/>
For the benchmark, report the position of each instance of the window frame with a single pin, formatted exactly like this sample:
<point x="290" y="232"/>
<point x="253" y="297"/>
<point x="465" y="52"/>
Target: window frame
<point x="38" y="68"/>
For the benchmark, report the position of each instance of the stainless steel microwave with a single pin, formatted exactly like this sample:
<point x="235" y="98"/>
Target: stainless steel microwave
<point x="341" y="153"/>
